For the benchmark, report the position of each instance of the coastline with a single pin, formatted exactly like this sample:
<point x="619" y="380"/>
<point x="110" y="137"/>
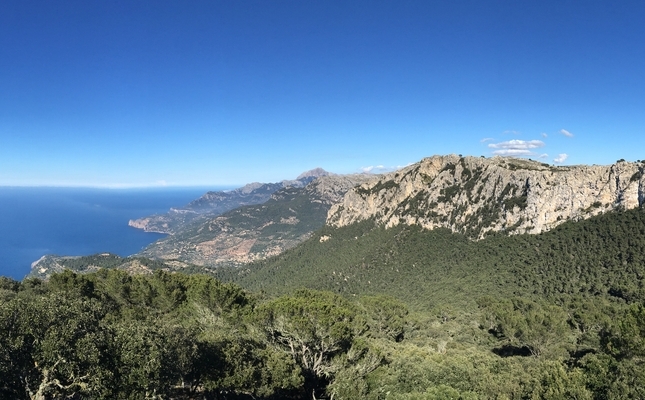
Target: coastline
<point x="76" y="222"/>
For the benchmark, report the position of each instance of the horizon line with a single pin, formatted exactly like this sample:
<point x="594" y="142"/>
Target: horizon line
<point x="118" y="187"/>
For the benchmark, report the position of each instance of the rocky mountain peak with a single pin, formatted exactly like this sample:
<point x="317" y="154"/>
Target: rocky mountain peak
<point x="314" y="173"/>
<point x="476" y="195"/>
<point x="331" y="188"/>
<point x="250" y="187"/>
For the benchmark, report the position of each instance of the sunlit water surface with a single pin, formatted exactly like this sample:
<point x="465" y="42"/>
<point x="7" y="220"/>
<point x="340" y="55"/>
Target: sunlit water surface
<point x="78" y="221"/>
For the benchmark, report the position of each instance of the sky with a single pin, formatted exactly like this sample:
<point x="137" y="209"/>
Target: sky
<point x="196" y="93"/>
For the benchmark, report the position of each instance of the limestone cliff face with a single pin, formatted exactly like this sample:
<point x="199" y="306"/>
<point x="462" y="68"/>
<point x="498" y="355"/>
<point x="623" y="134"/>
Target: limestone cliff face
<point x="475" y="196"/>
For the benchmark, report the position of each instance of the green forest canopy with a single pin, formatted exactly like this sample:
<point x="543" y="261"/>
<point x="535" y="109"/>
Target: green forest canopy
<point x="371" y="313"/>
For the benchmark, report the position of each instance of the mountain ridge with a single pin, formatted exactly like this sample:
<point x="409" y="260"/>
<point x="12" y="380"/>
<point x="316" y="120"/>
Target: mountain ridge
<point x="477" y="196"/>
<point x="253" y="232"/>
<point x="213" y="203"/>
<point x="472" y="196"/>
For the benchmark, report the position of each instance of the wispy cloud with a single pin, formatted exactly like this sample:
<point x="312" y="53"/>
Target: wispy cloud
<point x="544" y="135"/>
<point x="373" y="169"/>
<point x="561" y="158"/>
<point x="403" y="166"/>
<point x="380" y="169"/>
<point x="513" y="152"/>
<point x="516" y="147"/>
<point x="566" y="133"/>
<point x="544" y="155"/>
<point x="517" y="144"/>
<point x="488" y="139"/>
<point x="511" y="132"/>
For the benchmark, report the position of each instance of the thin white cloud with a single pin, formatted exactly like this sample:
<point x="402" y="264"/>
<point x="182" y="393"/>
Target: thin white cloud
<point x="488" y="139"/>
<point x="517" y="144"/>
<point x="511" y="132"/>
<point x="544" y="134"/>
<point x="380" y="169"/>
<point x="403" y="166"/>
<point x="566" y="133"/>
<point x="561" y="158"/>
<point x="516" y="147"/>
<point x="544" y="155"/>
<point x="373" y="169"/>
<point x="513" y="152"/>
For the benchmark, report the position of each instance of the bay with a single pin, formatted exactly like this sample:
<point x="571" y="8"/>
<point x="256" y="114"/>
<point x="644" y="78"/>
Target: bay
<point x="35" y="221"/>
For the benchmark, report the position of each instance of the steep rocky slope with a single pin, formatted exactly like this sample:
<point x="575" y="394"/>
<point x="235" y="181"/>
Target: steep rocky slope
<point x="215" y="203"/>
<point x="476" y="196"/>
<point x="255" y="232"/>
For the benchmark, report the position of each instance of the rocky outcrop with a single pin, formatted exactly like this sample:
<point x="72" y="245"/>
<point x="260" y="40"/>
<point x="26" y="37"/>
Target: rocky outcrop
<point x="476" y="196"/>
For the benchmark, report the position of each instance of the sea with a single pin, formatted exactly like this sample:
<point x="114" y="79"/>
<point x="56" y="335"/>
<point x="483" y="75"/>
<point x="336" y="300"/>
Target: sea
<point x="35" y="221"/>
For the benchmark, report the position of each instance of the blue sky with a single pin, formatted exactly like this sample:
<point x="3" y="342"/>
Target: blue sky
<point x="133" y="93"/>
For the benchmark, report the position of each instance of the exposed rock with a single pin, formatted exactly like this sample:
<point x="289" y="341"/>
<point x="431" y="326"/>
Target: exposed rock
<point x="479" y="195"/>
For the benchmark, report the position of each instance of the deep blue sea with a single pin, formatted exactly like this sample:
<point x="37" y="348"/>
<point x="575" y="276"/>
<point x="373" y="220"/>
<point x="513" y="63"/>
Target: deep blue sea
<point x="78" y="221"/>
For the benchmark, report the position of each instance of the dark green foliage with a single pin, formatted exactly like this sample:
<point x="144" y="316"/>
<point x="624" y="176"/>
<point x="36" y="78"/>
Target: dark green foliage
<point x="625" y="338"/>
<point x="386" y="316"/>
<point x="412" y="205"/>
<point x="70" y="284"/>
<point x="550" y="296"/>
<point x="566" y="260"/>
<point x="9" y="284"/>
<point x="314" y="327"/>
<point x="113" y="335"/>
<point x="381" y="185"/>
<point x="618" y="371"/>
<point x="604" y="255"/>
<point x="537" y="326"/>
<point x="518" y="198"/>
<point x="399" y="313"/>
<point x="8" y="288"/>
<point x="553" y="380"/>
<point x="472" y="180"/>
<point x="98" y="261"/>
<point x="53" y="346"/>
<point x="519" y="201"/>
<point x="595" y="204"/>
<point x="448" y="193"/>
<point x="146" y="358"/>
<point x="636" y="177"/>
<point x="85" y="264"/>
<point x="448" y="167"/>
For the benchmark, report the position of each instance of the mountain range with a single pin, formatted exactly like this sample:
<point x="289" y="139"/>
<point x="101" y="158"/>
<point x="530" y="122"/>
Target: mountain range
<point x="214" y="203"/>
<point x="477" y="196"/>
<point x="473" y="196"/>
<point x="455" y="277"/>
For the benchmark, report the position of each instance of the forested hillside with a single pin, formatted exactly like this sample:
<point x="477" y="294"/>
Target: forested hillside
<point x="600" y="257"/>
<point x="359" y="312"/>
